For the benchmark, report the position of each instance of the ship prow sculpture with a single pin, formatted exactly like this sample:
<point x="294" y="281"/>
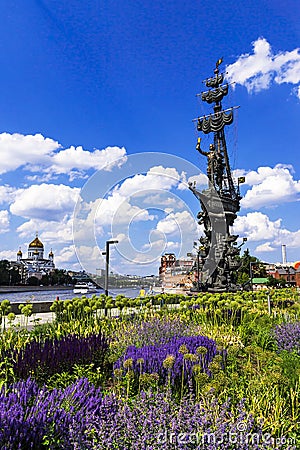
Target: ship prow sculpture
<point x="218" y="252"/>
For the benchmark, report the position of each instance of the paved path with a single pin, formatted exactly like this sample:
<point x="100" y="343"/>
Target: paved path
<point x="48" y="317"/>
<point x="20" y="319"/>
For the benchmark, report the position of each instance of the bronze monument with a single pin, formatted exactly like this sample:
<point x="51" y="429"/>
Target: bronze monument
<point x="217" y="251"/>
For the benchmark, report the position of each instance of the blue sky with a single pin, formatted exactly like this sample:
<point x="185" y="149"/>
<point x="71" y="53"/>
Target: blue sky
<point x="86" y="84"/>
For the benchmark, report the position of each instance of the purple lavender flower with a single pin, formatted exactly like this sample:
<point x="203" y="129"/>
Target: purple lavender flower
<point x="287" y="336"/>
<point x="33" y="418"/>
<point x="154" y="356"/>
<point x="80" y="417"/>
<point x="53" y="356"/>
<point x="154" y="331"/>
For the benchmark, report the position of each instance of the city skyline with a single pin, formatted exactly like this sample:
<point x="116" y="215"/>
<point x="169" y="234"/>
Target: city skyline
<point x="94" y="93"/>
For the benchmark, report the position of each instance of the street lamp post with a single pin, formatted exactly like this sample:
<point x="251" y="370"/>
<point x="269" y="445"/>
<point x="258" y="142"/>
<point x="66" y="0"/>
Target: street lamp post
<point x="106" y="253"/>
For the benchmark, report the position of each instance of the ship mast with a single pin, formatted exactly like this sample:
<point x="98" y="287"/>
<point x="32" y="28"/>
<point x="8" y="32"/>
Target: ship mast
<point x="216" y="122"/>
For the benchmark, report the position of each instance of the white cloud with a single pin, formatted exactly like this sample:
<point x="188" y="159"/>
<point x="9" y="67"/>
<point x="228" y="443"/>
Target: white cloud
<point x="258" y="227"/>
<point x="266" y="247"/>
<point x="179" y="222"/>
<point x="157" y="178"/>
<point x="258" y="70"/>
<point x="130" y="201"/>
<point x="116" y="210"/>
<point x="7" y="194"/>
<point x="197" y="180"/>
<point x="161" y="200"/>
<point x="50" y="232"/>
<point x="139" y="252"/>
<point x="72" y="158"/>
<point x="18" y="150"/>
<point x="41" y="178"/>
<point x="10" y="255"/>
<point x="270" y="186"/>
<point x="89" y="257"/>
<point x="297" y="92"/>
<point x="36" y="153"/>
<point x="66" y="257"/>
<point x="45" y="202"/>
<point x="4" y="221"/>
<point x="161" y="244"/>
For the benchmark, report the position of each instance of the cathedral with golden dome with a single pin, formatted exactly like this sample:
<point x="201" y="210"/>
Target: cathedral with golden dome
<point x="35" y="265"/>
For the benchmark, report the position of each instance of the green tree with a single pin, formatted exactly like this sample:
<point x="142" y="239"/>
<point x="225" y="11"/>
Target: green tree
<point x="60" y="277"/>
<point x="45" y="281"/>
<point x="8" y="275"/>
<point x="282" y="282"/>
<point x="243" y="278"/>
<point x="4" y="272"/>
<point x="272" y="282"/>
<point x="250" y="265"/>
<point x="33" y="281"/>
<point x="14" y="276"/>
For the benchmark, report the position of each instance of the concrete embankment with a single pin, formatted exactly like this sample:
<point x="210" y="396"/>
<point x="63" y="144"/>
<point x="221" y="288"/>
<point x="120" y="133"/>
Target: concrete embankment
<point x="37" y="307"/>
<point x="11" y="289"/>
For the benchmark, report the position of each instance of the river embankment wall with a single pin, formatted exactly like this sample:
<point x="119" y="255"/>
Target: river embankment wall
<point x="37" y="307"/>
<point x="11" y="289"/>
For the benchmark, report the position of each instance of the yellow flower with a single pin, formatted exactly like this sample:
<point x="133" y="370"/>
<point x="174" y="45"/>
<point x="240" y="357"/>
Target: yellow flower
<point x="169" y="361"/>
<point x="183" y="349"/>
<point x="128" y="363"/>
<point x="201" y="350"/>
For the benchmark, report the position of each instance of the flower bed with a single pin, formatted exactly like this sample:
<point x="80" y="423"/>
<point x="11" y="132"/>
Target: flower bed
<point x="217" y="372"/>
<point x="80" y="417"/>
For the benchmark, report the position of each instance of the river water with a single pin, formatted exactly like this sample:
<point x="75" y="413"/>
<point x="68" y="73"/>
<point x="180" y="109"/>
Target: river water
<point x="46" y="296"/>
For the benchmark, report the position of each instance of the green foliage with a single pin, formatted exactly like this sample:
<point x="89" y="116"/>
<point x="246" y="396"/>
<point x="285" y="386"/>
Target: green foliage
<point x="60" y="277"/>
<point x="8" y="275"/>
<point x="33" y="281"/>
<point x="4" y="272"/>
<point x="290" y="366"/>
<point x="250" y="265"/>
<point x="4" y="310"/>
<point x="5" y="307"/>
<point x="64" y="379"/>
<point x="11" y="317"/>
<point x="26" y="310"/>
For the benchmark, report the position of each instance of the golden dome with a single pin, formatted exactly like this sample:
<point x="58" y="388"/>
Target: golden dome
<point x="51" y="253"/>
<point x="19" y="252"/>
<point x="36" y="243"/>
